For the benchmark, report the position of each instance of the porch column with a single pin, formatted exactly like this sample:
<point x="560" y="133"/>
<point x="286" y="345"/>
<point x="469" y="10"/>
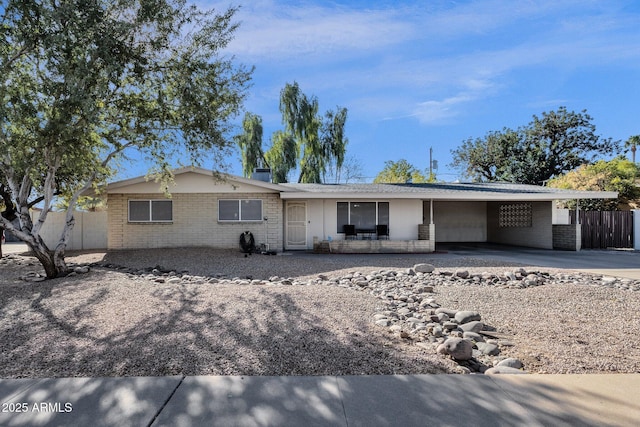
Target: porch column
<point x="432" y="227"/>
<point x="636" y="229"/>
<point x="578" y="227"/>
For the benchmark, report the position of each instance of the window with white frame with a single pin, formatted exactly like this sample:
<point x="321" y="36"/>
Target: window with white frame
<point x="364" y="215"/>
<point x="150" y="210"/>
<point x="240" y="210"/>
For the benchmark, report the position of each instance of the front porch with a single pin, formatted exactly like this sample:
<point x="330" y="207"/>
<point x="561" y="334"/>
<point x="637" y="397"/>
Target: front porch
<point x="374" y="246"/>
<point x="425" y="244"/>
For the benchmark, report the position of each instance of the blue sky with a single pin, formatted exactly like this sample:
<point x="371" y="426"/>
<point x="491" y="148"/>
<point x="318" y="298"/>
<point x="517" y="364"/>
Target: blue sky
<point x="420" y="74"/>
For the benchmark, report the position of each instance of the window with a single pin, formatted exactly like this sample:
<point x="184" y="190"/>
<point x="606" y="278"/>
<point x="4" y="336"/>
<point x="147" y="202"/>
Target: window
<point x="240" y="210"/>
<point x="150" y="210"/>
<point x="364" y="215"/>
<point x="343" y="216"/>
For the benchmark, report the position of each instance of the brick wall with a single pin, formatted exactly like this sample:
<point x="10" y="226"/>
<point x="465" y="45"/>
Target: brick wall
<point x="538" y="235"/>
<point x="567" y="237"/>
<point x="195" y="223"/>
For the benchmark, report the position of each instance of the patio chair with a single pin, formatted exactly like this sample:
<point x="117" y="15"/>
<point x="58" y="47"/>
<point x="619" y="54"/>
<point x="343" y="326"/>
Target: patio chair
<point x="349" y="231"/>
<point x="382" y="231"/>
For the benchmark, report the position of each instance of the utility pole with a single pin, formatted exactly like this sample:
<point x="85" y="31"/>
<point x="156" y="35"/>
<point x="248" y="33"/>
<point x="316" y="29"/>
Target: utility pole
<point x="433" y="164"/>
<point x="430" y="162"/>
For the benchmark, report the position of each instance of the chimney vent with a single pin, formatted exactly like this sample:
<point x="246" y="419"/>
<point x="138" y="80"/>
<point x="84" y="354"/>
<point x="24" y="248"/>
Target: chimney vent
<point x="262" y="174"/>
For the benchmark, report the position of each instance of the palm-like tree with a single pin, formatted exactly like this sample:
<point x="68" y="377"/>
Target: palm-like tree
<point x="631" y="144"/>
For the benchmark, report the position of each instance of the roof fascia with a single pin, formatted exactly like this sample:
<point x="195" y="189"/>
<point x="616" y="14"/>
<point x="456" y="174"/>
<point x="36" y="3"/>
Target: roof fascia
<point x="224" y="176"/>
<point x="453" y="196"/>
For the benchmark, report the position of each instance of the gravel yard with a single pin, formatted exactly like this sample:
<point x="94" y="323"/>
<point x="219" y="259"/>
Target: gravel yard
<point x="110" y="322"/>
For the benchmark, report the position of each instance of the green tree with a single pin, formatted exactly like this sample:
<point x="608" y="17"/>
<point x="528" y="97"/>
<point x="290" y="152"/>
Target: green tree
<point x="282" y="157"/>
<point x="86" y="81"/>
<point x="488" y="158"/>
<point x="334" y="141"/>
<point x="548" y="146"/>
<point x="632" y="144"/>
<point x="618" y="175"/>
<point x="399" y="172"/>
<point x="84" y="204"/>
<point x="250" y="143"/>
<point x="311" y="143"/>
<point x="301" y="120"/>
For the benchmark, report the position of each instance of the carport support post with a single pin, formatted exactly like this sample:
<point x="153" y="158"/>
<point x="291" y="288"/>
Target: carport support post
<point x="636" y="229"/>
<point x="432" y="227"/>
<point x="578" y="227"/>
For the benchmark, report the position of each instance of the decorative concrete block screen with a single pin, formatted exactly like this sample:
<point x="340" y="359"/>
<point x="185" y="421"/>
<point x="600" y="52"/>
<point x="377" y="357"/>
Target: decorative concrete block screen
<point x="515" y="215"/>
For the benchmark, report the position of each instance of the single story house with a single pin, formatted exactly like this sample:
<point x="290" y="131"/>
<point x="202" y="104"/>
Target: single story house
<point x="205" y="209"/>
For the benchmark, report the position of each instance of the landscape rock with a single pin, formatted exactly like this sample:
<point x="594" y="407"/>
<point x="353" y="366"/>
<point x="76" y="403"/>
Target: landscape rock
<point x="423" y="268"/>
<point x="473" y="326"/>
<point x="463" y="274"/>
<point x="488" y="348"/>
<point x="474" y="336"/>
<point x="458" y="348"/>
<point x="467" y="316"/>
<point x="497" y="370"/>
<point x="510" y="363"/>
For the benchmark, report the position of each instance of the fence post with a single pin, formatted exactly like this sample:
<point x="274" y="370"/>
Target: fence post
<point x="636" y="229"/>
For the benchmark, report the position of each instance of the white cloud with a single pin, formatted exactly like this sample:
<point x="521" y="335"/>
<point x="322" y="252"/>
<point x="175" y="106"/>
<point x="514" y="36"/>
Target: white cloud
<point x="273" y="31"/>
<point x="427" y="61"/>
<point x="434" y="112"/>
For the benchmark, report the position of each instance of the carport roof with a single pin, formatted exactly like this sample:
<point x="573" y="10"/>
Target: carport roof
<point x="439" y="191"/>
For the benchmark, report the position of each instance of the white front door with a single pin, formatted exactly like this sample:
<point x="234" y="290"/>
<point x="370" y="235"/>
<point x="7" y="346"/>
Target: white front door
<point x="296" y="231"/>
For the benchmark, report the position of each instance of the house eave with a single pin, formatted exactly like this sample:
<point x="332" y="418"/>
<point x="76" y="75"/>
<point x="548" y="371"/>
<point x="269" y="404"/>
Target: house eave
<point x="456" y="196"/>
<point x="115" y="186"/>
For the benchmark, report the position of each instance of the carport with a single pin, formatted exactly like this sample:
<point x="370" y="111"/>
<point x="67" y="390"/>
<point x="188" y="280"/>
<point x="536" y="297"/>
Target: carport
<point x="502" y="213"/>
<point x="420" y="216"/>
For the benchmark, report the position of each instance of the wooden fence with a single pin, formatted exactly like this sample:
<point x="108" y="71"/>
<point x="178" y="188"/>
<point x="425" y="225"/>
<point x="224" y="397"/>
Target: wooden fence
<point x="607" y="229"/>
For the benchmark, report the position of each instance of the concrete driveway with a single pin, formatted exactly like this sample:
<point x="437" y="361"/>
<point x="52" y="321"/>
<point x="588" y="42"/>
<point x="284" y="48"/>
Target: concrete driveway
<point x="619" y="263"/>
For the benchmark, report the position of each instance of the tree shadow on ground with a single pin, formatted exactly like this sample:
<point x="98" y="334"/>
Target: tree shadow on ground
<point x="186" y="332"/>
<point x="317" y="401"/>
<point x="189" y="330"/>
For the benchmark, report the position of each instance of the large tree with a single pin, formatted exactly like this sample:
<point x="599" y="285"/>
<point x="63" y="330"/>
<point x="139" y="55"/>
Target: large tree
<point x="548" y="146"/>
<point x="83" y="82"/>
<point x="250" y="143"/>
<point x="312" y="143"/>
<point x="400" y="172"/>
<point x="632" y="145"/>
<point x="282" y="157"/>
<point x="617" y="175"/>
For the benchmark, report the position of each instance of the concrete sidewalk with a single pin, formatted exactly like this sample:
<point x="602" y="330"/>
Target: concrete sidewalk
<point x="413" y="400"/>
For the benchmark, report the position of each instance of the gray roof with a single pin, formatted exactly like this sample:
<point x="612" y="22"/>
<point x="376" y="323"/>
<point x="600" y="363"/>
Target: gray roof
<point x="498" y="191"/>
<point x="441" y="191"/>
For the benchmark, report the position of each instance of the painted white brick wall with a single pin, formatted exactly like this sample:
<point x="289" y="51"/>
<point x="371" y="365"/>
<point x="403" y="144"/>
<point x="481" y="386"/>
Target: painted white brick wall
<point x="539" y="235"/>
